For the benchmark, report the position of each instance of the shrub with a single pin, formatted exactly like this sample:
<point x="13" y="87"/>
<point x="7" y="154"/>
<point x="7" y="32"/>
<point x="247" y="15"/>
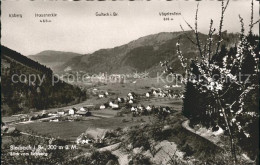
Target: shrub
<point x="139" y="138"/>
<point x="188" y="150"/>
<point x="101" y="158"/>
<point x="140" y="159"/>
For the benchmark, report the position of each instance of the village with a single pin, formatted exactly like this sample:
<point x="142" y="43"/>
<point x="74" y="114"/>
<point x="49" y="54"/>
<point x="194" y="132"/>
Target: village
<point x="108" y="104"/>
<point x="105" y="119"/>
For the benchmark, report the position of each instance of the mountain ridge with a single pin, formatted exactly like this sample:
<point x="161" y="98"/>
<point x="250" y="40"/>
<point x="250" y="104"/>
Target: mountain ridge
<point x="53" y="58"/>
<point x="142" y="54"/>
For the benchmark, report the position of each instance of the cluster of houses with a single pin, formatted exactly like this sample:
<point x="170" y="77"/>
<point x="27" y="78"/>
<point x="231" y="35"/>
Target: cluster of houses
<point x="54" y="117"/>
<point x="114" y="104"/>
<point x="132" y="98"/>
<point x="83" y="111"/>
<point x="101" y="94"/>
<point x="169" y="93"/>
<point x="172" y="86"/>
<point x="142" y="110"/>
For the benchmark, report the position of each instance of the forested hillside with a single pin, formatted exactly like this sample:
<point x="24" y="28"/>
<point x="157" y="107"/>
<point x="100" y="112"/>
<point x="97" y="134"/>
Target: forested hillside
<point x="19" y="94"/>
<point x="142" y="54"/>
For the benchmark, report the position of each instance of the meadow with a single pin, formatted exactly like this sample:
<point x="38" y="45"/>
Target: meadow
<point x="71" y="130"/>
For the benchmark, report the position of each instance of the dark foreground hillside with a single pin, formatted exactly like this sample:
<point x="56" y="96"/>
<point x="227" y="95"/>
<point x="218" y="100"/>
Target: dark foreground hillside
<point x="20" y="95"/>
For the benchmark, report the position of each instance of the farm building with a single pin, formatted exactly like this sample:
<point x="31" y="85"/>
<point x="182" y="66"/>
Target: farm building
<point x="100" y="96"/>
<point x="60" y="113"/>
<point x="71" y="111"/>
<point x="102" y="107"/>
<point x="9" y="130"/>
<point x="83" y="139"/>
<point x="97" y="134"/>
<point x="82" y="111"/>
<point x="44" y="112"/>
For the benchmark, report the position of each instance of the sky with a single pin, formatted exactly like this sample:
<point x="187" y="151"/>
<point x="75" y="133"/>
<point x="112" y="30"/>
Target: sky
<point x="77" y="28"/>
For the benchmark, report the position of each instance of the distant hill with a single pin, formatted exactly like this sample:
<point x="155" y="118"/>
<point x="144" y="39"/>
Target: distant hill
<point x="19" y="95"/>
<point x="53" y="59"/>
<point x="143" y="54"/>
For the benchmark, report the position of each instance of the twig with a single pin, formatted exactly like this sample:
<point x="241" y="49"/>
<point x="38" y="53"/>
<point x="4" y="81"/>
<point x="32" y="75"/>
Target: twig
<point x="242" y="27"/>
<point x="188" y="36"/>
<point x="255" y="22"/>
<point x="252" y="17"/>
<point x="188" y="25"/>
<point x="221" y="24"/>
<point x="226" y="6"/>
<point x="196" y="30"/>
<point x="210" y="38"/>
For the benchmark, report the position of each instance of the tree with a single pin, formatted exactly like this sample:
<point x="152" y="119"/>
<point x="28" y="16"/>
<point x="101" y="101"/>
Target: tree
<point x="219" y="77"/>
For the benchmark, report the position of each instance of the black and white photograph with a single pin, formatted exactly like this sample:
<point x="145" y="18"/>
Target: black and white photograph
<point x="130" y="82"/>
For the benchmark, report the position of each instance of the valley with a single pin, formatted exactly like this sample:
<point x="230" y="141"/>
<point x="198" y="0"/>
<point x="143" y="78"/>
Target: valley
<point x="120" y="102"/>
<point x="123" y="119"/>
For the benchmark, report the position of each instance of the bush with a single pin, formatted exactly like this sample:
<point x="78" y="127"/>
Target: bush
<point x="101" y="158"/>
<point x="88" y="113"/>
<point x="139" y="138"/>
<point x="140" y="159"/>
<point x="188" y="150"/>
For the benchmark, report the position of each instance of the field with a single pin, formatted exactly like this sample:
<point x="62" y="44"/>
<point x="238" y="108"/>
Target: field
<point x="71" y="130"/>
